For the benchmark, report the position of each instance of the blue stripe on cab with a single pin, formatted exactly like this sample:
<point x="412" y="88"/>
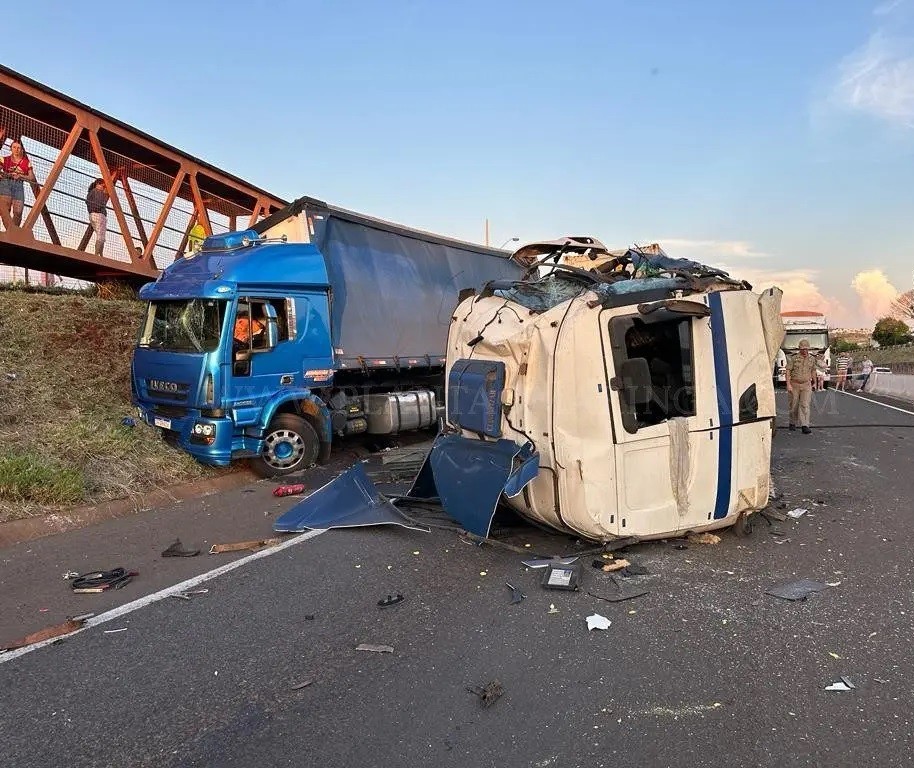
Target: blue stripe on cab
<point x="724" y="406"/>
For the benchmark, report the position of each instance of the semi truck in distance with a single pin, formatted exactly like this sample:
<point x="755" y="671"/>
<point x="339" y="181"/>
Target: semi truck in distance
<point x="798" y="325"/>
<point x="268" y="344"/>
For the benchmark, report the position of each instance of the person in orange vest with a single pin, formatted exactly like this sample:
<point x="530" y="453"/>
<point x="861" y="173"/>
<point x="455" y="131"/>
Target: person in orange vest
<point x="246" y="328"/>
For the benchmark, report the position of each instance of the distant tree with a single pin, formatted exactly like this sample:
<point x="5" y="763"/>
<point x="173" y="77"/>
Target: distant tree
<point x="841" y="345"/>
<point x="902" y="307"/>
<point x="890" y="332"/>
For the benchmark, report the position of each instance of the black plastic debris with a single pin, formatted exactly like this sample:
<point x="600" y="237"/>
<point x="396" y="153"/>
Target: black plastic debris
<point x="390" y="601"/>
<point x="558" y="576"/>
<point x="177" y="550"/>
<point x="101" y="581"/>
<point x="634" y="569"/>
<point x="489" y="693"/>
<point x="796" y="590"/>
<point x="516" y="594"/>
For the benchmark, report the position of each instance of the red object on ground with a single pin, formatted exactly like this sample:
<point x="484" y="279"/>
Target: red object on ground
<point x="289" y="490"/>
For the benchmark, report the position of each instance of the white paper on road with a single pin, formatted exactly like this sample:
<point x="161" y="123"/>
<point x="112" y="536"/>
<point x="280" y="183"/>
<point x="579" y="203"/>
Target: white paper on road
<point x="597" y="622"/>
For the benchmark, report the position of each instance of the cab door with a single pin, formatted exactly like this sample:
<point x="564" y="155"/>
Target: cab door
<point x="662" y="383"/>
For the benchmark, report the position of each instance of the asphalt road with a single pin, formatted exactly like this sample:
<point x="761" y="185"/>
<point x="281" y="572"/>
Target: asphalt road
<point x="705" y="670"/>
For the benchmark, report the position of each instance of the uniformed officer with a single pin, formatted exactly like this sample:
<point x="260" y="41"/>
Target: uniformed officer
<point x="801" y="380"/>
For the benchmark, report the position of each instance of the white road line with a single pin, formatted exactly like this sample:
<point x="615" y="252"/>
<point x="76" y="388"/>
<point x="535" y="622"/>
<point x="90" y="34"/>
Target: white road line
<point x="142" y="602"/>
<point x="875" y="402"/>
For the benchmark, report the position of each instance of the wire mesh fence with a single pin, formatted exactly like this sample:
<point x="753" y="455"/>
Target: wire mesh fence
<point x="140" y="189"/>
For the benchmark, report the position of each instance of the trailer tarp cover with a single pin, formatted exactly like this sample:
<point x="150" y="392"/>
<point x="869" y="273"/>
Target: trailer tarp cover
<point x="393" y="294"/>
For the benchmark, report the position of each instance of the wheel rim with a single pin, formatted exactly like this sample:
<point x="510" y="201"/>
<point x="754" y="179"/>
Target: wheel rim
<point x="283" y="449"/>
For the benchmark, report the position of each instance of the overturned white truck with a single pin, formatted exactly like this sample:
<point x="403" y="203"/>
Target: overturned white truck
<point x="630" y="398"/>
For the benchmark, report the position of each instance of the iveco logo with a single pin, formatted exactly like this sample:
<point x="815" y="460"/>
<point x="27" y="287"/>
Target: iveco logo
<point x="163" y="386"/>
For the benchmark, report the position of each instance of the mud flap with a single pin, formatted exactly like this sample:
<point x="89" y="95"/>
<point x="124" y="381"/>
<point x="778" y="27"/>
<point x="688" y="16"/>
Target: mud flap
<point x="469" y="476"/>
<point x="348" y="501"/>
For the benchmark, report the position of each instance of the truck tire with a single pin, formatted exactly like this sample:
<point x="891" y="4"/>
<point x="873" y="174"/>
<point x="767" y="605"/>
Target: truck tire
<point x="290" y="445"/>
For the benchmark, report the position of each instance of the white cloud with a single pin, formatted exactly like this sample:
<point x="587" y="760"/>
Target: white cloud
<point x="886" y="8"/>
<point x="875" y="291"/>
<point x="878" y="79"/>
<point x="709" y="251"/>
<point x="800" y="291"/>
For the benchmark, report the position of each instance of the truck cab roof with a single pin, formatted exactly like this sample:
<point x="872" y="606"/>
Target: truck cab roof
<point x="238" y="258"/>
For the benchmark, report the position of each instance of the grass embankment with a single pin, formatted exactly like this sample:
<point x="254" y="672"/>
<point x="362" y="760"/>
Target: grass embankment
<point x="64" y="389"/>
<point x="887" y="355"/>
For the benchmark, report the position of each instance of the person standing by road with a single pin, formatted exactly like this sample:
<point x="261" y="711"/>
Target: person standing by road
<point x="801" y="379"/>
<point x="841" y="365"/>
<point x="14" y="172"/>
<point x="97" y="204"/>
<point x="867" y="368"/>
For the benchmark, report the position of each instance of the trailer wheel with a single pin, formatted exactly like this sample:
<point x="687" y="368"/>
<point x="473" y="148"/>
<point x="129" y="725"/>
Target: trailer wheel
<point x="290" y="445"/>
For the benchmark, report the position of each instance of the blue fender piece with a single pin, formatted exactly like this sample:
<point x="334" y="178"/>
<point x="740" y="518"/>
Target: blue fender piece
<point x="325" y="431"/>
<point x="468" y="476"/>
<point x="348" y="501"/>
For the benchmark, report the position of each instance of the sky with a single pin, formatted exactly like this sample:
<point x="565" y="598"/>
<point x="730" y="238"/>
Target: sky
<point x="773" y="139"/>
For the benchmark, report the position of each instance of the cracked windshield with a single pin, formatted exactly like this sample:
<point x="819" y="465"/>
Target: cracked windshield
<point x="183" y="326"/>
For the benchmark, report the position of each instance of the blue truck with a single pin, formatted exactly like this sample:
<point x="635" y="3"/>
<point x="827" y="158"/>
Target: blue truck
<point x="268" y="344"/>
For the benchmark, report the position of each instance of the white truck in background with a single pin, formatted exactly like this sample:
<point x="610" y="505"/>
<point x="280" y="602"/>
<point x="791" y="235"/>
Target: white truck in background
<point x="798" y="325"/>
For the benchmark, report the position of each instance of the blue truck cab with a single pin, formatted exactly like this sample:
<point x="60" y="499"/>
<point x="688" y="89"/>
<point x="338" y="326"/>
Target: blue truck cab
<point x="260" y="348"/>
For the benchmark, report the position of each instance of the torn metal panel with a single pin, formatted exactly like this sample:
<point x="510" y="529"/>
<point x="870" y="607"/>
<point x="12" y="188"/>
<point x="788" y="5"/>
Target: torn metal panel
<point x="349" y="501"/>
<point x="469" y="476"/>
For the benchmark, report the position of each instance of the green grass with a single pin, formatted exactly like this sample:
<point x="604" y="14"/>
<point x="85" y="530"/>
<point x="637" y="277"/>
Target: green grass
<point x="64" y="388"/>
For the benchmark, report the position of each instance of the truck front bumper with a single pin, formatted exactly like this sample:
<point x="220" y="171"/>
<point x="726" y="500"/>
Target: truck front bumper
<point x="216" y="448"/>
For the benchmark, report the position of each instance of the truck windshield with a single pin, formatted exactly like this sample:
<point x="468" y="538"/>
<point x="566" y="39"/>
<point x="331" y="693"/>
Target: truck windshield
<point x="191" y="325"/>
<point x="816" y="339"/>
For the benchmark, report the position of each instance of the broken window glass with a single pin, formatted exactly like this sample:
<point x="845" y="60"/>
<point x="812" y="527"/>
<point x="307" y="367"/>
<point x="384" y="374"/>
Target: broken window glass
<point x="667" y="389"/>
<point x="192" y="325"/>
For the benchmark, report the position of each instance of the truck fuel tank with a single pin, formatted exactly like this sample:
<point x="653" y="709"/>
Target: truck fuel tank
<point x="400" y="411"/>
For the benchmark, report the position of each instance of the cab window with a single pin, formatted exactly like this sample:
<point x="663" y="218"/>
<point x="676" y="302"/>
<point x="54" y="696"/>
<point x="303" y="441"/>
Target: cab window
<point x="654" y="360"/>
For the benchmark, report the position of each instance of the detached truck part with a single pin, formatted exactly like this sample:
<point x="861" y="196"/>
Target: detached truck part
<point x="633" y="399"/>
<point x="317" y="323"/>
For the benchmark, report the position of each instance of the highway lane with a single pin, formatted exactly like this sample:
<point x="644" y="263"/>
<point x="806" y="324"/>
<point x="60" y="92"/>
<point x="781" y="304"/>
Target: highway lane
<point x="705" y="670"/>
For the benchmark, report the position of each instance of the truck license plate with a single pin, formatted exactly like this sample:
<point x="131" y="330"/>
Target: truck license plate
<point x="164" y="423"/>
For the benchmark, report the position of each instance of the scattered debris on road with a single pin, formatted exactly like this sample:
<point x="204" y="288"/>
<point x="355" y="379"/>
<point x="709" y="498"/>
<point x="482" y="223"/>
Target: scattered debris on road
<point x="796" y="590"/>
<point x="303" y="684"/>
<point x="101" y="581"/>
<point x="254" y="546"/>
<point x="844" y="684"/>
<point x="190" y="593"/>
<point x="552" y="608"/>
<point x="71" y="575"/>
<point x="113" y="631"/>
<point x="704" y="538"/>
<point x="611" y="566"/>
<point x="290" y="490"/>
<point x="49" y="633"/>
<point x="374" y="648"/>
<point x="489" y="693"/>
<point x="348" y="501"/>
<point x="516" y="595"/>
<point x="567" y="577"/>
<point x="391" y="601"/>
<point x="176" y="549"/>
<point x="797" y="513"/>
<point x="544" y="562"/>
<point x="621" y="597"/>
<point x="596" y="621"/>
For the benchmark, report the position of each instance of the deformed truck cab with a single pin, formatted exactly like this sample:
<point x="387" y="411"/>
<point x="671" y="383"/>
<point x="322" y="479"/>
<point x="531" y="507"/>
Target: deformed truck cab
<point x="632" y="401"/>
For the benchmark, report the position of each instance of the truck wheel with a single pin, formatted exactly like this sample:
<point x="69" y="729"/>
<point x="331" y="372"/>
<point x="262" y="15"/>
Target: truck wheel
<point x="290" y="445"/>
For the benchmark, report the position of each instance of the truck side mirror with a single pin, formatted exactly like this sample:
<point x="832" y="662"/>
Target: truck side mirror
<point x="272" y="325"/>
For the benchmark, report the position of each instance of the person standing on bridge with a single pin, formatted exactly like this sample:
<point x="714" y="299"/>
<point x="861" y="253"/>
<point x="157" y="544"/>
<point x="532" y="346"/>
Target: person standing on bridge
<point x="97" y="205"/>
<point x="14" y="172"/>
<point x="801" y="379"/>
